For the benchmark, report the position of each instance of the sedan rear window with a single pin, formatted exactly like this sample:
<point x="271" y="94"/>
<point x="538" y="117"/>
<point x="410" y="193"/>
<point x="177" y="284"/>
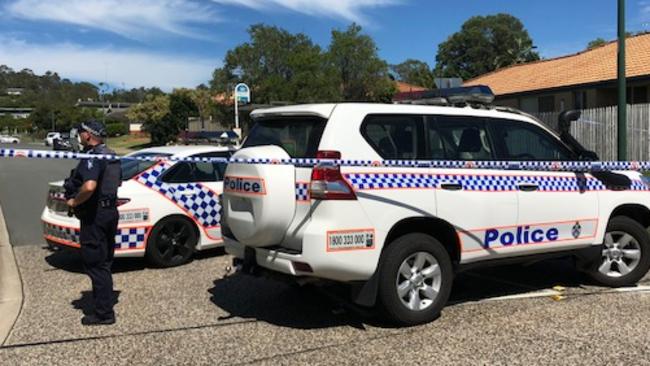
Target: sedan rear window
<point x="131" y="168"/>
<point x="298" y="136"/>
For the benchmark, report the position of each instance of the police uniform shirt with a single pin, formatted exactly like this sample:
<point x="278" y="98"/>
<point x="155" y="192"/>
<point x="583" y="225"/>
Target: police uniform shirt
<point x="92" y="169"/>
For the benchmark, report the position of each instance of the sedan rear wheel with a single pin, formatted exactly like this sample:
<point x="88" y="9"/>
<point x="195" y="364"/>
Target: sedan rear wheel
<point x="172" y="242"/>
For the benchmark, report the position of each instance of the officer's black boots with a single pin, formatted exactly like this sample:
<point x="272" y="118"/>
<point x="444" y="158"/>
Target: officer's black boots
<point x="93" y="319"/>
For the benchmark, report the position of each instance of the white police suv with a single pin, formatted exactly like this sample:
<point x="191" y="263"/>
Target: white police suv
<point x="398" y="234"/>
<point x="167" y="209"/>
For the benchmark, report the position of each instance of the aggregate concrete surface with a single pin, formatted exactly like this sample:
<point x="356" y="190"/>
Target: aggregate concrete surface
<point x="190" y="315"/>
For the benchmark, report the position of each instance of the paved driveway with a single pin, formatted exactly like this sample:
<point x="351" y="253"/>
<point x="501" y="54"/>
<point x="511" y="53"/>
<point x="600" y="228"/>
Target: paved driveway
<point x="191" y="315"/>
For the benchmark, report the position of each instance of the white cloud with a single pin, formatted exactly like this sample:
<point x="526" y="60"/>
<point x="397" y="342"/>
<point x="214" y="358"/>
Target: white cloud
<point x="351" y="10"/>
<point x="136" y="19"/>
<point x="132" y="67"/>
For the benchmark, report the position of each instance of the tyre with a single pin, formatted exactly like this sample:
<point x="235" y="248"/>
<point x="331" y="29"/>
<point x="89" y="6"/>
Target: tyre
<point x="415" y="278"/>
<point x="625" y="255"/>
<point x="172" y="242"/>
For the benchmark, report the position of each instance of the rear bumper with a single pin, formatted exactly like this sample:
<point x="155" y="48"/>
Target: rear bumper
<point x="63" y="231"/>
<point x="318" y="249"/>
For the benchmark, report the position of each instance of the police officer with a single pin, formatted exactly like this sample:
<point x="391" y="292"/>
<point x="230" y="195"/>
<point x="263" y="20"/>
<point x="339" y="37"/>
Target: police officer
<point x="95" y="206"/>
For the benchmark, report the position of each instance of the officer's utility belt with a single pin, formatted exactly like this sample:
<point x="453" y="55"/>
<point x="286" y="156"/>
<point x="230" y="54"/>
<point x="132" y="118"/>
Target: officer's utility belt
<point x="107" y="203"/>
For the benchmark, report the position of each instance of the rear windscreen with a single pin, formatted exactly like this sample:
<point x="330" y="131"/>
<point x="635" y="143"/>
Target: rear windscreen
<point x="131" y="168"/>
<point x="298" y="136"/>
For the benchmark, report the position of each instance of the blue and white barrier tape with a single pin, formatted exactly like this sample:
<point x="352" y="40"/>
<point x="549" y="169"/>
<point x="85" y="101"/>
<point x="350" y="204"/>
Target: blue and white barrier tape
<point x="569" y="166"/>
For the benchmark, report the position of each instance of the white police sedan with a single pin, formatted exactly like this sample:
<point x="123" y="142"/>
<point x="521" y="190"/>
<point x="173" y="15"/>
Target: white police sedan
<point x="168" y="209"/>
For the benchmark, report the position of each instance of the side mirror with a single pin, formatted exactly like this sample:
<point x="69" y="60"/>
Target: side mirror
<point x="565" y="118"/>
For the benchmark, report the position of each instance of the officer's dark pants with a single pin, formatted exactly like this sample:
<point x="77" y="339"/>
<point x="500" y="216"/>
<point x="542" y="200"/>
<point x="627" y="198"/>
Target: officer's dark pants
<point x="97" y="236"/>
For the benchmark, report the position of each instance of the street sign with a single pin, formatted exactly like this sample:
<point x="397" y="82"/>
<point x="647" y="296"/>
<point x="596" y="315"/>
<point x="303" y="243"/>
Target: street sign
<point x="242" y="93"/>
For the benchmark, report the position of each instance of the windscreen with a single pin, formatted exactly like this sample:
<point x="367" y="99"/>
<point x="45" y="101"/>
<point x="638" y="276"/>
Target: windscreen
<point x="298" y="136"/>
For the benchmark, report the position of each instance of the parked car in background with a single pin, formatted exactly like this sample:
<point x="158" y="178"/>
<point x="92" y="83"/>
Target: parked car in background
<point x="4" y="139"/>
<point x="168" y="209"/>
<point x="62" y="142"/>
<point x="49" y="139"/>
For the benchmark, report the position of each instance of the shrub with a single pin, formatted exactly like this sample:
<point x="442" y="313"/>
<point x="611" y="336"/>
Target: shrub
<point x="117" y="129"/>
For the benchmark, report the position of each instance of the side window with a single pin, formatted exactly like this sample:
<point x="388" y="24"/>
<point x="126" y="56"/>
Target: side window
<point x="464" y="138"/>
<point x="393" y="136"/>
<point x="189" y="172"/>
<point x="523" y="141"/>
<point x="436" y="148"/>
<point x="181" y="172"/>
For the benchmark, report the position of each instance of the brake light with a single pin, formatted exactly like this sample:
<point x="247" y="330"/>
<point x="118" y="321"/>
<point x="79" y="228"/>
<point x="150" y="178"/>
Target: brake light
<point x="122" y="201"/>
<point x="327" y="182"/>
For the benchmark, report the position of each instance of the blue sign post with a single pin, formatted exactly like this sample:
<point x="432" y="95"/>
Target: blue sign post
<point x="242" y="95"/>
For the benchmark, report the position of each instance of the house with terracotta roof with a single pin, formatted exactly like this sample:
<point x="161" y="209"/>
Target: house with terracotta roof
<point x="583" y="80"/>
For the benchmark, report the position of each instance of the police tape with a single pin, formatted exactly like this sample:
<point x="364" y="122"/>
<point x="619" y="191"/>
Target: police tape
<point x="568" y="166"/>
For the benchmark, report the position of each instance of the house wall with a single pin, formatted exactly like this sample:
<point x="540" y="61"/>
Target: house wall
<point x="563" y="100"/>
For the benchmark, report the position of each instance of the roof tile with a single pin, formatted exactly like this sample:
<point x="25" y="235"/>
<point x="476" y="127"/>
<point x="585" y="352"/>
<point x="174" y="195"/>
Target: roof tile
<point x="598" y="64"/>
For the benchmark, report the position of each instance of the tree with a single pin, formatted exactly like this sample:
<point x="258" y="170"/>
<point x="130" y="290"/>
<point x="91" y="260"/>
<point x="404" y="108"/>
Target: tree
<point x="360" y="73"/>
<point x="202" y="99"/>
<point x="596" y="43"/>
<point x="484" y="44"/>
<point x="154" y="114"/>
<point x="278" y="66"/>
<point x="414" y="72"/>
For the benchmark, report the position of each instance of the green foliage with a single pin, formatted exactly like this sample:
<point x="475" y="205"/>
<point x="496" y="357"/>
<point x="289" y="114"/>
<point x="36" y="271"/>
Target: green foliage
<point x="414" y="72"/>
<point x="117" y="129"/>
<point x="484" y="44"/>
<point x="281" y="66"/>
<point x="164" y="116"/>
<point x="153" y="113"/>
<point x="134" y="95"/>
<point x="596" y="43"/>
<point x="52" y="98"/>
<point x="10" y="125"/>
<point x="361" y="74"/>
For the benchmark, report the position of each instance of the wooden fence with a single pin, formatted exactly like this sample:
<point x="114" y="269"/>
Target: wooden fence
<point x="597" y="130"/>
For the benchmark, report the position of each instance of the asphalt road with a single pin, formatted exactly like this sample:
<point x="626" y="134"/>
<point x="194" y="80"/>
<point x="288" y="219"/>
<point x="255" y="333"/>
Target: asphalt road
<point x="23" y="192"/>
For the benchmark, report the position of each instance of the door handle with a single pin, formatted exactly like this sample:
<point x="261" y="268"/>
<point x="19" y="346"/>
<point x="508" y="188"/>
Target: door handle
<point x="527" y="187"/>
<point x="451" y="186"/>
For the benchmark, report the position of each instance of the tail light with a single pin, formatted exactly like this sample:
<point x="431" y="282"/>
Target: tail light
<point x="327" y="182"/>
<point x="122" y="201"/>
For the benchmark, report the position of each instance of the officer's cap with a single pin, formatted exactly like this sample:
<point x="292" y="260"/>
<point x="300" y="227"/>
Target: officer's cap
<point x="95" y="128"/>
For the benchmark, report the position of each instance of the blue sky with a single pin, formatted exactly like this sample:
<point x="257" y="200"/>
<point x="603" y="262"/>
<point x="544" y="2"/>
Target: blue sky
<point x="177" y="43"/>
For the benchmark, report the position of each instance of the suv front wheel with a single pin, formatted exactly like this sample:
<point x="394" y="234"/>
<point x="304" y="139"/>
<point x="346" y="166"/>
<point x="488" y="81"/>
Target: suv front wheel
<point x="415" y="279"/>
<point x="625" y="255"/>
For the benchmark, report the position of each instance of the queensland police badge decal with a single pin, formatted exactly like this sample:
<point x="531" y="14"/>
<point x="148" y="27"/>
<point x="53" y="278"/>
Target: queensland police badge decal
<point x="575" y="231"/>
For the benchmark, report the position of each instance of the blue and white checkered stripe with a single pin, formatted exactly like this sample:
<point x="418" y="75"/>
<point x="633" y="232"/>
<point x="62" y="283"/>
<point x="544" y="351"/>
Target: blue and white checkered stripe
<point x="302" y="191"/>
<point x="390" y="180"/>
<point x="64" y="233"/>
<point x="489" y="183"/>
<point x="126" y="238"/>
<point x="131" y="238"/>
<point x="203" y="204"/>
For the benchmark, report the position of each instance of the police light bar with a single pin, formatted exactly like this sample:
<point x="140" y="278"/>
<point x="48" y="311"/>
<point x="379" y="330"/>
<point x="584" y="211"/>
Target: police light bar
<point x="479" y="94"/>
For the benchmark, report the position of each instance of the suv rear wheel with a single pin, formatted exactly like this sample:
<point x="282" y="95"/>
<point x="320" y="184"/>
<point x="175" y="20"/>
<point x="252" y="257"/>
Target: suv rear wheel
<point x="415" y="279"/>
<point x="625" y="255"/>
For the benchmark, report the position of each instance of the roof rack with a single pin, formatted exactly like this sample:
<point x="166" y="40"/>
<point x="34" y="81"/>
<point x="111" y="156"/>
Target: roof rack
<point x="479" y="95"/>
